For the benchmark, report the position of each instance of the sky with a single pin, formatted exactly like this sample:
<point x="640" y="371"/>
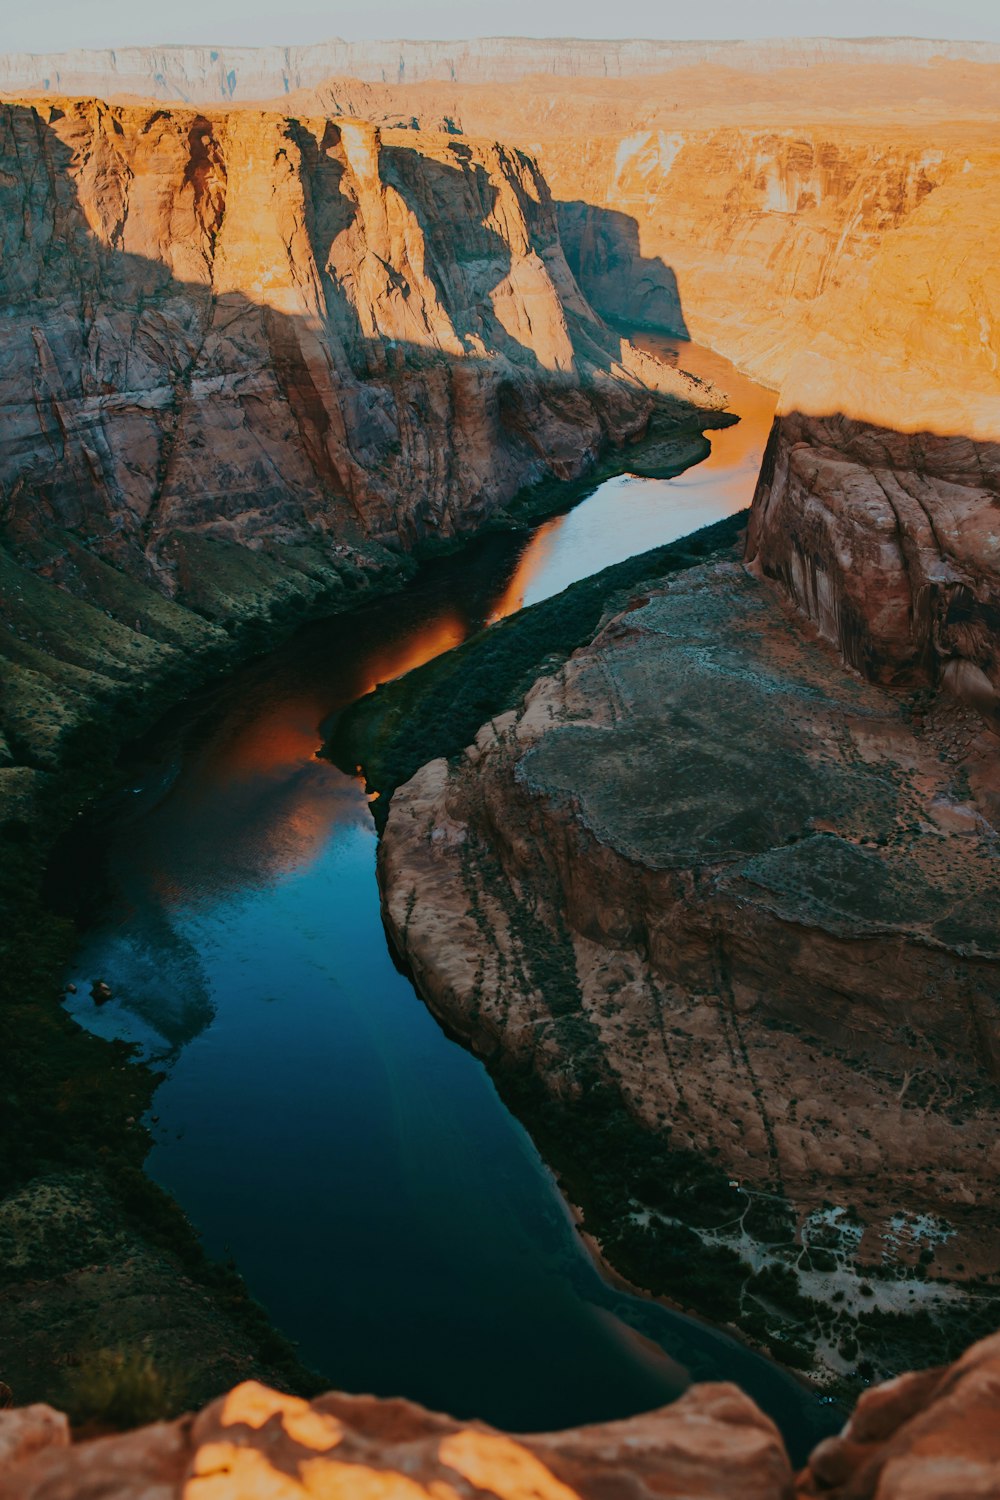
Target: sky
<point x="56" y="25"/>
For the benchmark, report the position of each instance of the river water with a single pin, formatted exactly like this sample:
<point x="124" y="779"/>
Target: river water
<point x="315" y="1122"/>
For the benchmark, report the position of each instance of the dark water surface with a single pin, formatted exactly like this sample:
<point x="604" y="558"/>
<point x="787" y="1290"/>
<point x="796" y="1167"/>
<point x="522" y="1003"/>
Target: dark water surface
<point x="315" y="1121"/>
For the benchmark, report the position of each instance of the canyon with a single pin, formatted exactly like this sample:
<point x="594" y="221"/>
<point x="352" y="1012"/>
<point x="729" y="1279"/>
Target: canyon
<point x="714" y="890"/>
<point x="250" y="360"/>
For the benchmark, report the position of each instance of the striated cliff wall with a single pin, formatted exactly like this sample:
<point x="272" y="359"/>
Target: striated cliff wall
<point x="242" y="353"/>
<point x="734" y="197"/>
<point x="268" y="327"/>
<point x="853" y="268"/>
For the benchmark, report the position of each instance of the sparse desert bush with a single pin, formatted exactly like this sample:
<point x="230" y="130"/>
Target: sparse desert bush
<point x="121" y="1388"/>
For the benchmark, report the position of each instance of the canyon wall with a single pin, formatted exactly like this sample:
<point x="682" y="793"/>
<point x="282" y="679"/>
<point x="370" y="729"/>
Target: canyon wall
<point x="258" y="326"/>
<point x="245" y="349"/>
<point x="728" y="192"/>
<point x="209" y="75"/>
<point x="927" y="1436"/>
<point x="858" y="274"/>
<point x="854" y="268"/>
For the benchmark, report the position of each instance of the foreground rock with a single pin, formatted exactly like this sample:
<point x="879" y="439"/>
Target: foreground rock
<point x="725" y="921"/>
<point x="927" y="1436"/>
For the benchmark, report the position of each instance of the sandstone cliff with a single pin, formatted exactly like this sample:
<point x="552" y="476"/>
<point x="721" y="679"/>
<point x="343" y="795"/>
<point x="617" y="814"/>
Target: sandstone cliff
<point x="244" y="353"/>
<point x="727" y="904"/>
<point x="852" y="267"/>
<point x="889" y="542"/>
<point x="928" y="1436"/>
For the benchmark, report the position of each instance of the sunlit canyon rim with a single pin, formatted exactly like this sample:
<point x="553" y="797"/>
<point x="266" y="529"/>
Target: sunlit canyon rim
<point x="699" y="858"/>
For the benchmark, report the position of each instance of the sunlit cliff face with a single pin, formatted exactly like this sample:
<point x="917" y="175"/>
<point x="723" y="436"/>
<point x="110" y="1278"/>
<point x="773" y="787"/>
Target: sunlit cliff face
<point x="834" y="229"/>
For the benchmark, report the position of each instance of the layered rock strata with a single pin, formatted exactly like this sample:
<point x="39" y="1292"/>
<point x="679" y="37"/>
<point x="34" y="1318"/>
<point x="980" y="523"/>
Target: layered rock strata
<point x="927" y="1436"/>
<point x="853" y="268"/>
<point x="703" y="872"/>
<point x="890" y="543"/>
<point x="216" y="75"/>
<point x="243" y="354"/>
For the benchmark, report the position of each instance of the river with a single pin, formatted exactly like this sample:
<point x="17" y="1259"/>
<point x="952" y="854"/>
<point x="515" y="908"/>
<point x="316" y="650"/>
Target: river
<point x="315" y="1123"/>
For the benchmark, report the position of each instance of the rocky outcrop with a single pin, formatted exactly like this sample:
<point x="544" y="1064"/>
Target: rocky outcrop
<point x="704" y="881"/>
<point x="929" y="1435"/>
<point x="712" y="1443"/>
<point x="888" y="542"/>
<point x="926" y="1436"/>
<point x="256" y="327"/>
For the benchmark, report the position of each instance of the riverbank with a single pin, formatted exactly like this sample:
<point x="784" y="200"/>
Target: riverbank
<point x="74" y="1103"/>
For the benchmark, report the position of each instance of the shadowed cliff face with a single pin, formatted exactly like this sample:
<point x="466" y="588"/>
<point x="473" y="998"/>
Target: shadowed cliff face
<point x="737" y="198"/>
<point x="852" y="268"/>
<point x="256" y="327"/>
<point x="242" y="354"/>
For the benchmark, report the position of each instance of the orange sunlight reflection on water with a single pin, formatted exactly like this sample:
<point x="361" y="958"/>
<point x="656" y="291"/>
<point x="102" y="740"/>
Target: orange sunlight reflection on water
<point x="257" y="788"/>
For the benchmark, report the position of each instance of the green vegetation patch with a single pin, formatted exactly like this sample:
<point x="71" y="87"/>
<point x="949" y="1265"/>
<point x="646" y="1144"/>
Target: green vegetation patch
<point x="438" y="708"/>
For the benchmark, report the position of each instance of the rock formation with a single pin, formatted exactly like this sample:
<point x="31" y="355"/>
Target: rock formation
<point x="704" y="882"/>
<point x="927" y="1436"/>
<point x="736" y="198"/>
<point x="295" y="337"/>
<point x="888" y="541"/>
<point x="722" y="912"/>
<point x="215" y="75"/>
<point x="852" y="267"/>
<point x="251" y="326"/>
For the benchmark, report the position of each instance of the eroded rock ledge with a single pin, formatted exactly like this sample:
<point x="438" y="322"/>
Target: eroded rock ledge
<point x="925" y="1436"/>
<point x="705" y="882"/>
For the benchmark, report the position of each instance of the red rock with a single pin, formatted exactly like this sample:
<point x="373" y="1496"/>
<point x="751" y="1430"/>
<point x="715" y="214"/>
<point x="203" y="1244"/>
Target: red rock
<point x="934" y="1435"/>
<point x="257" y="1444"/>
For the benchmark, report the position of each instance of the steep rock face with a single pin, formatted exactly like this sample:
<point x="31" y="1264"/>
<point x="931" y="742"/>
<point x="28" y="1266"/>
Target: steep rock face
<point x="890" y="543"/>
<point x="855" y="270"/>
<point x="243" y="352"/>
<point x="706" y="877"/>
<point x="736" y="199"/>
<point x="257" y="326"/>
<point x="860" y="278"/>
<point x="926" y="1436"/>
